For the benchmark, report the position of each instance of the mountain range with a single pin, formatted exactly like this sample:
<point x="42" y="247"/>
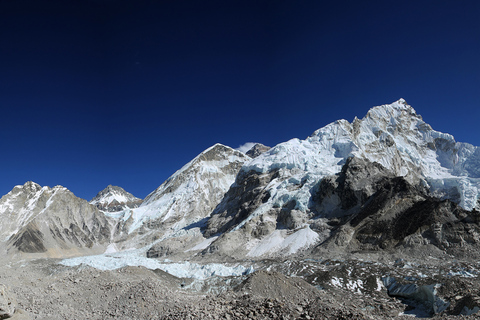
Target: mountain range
<point x="387" y="181"/>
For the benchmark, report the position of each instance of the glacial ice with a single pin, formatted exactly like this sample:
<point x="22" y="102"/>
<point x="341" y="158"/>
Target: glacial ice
<point x="137" y="257"/>
<point x="425" y="295"/>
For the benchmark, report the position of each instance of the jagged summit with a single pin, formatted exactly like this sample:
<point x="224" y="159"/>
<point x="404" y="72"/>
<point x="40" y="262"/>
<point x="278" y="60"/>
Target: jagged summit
<point x="36" y="219"/>
<point x="273" y="200"/>
<point x="114" y="199"/>
<point x="257" y="150"/>
<point x="393" y="135"/>
<point x="271" y="207"/>
<point x="188" y="196"/>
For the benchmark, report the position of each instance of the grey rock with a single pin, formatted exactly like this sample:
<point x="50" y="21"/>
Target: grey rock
<point x="51" y="220"/>
<point x="7" y="303"/>
<point x="257" y="150"/>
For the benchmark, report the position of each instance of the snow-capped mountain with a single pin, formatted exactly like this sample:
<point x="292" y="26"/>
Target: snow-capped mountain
<point x="271" y="205"/>
<point x="114" y="199"/>
<point x="392" y="135"/>
<point x="327" y="190"/>
<point x="347" y="206"/>
<point x="52" y="221"/>
<point x="185" y="198"/>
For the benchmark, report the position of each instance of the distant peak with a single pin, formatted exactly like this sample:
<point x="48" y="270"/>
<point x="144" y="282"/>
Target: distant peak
<point x="257" y="150"/>
<point x="112" y="189"/>
<point x="397" y="109"/>
<point x="31" y="186"/>
<point x="114" y="198"/>
<point x="217" y="148"/>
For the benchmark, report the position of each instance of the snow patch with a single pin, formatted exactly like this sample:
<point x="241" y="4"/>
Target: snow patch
<point x="280" y="241"/>
<point x="203" y="245"/>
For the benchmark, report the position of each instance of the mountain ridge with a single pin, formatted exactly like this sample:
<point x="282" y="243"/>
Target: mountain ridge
<point x="276" y="201"/>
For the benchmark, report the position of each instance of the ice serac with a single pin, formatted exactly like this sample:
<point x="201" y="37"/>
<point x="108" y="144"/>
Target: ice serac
<point x="114" y="199"/>
<point x="276" y="190"/>
<point x="188" y="196"/>
<point x="50" y="221"/>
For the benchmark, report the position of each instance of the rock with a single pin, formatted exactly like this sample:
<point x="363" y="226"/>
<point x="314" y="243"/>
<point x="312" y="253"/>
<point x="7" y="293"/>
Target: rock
<point x="257" y="150"/>
<point x="7" y="303"/>
<point x="467" y="305"/>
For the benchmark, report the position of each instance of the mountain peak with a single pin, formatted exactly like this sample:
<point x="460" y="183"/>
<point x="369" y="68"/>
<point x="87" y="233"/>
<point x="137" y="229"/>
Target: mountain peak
<point x="257" y="150"/>
<point x="114" y="198"/>
<point x="397" y="109"/>
<point x="31" y="186"/>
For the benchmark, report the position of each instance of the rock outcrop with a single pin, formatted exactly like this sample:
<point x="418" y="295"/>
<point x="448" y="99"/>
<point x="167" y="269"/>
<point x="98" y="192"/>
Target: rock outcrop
<point x="7" y="303"/>
<point x="257" y="150"/>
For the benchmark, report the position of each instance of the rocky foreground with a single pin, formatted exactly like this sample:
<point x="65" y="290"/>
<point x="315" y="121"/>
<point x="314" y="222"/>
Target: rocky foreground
<point x="355" y="287"/>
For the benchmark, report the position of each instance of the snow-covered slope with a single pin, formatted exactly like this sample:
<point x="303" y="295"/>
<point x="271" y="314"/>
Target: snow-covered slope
<point x="185" y="198"/>
<point x="114" y="199"/>
<point x="277" y="202"/>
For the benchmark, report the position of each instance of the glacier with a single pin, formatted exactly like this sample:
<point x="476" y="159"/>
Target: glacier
<point x="116" y="260"/>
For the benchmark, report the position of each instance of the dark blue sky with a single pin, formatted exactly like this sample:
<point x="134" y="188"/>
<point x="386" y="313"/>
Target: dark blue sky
<point x="98" y="92"/>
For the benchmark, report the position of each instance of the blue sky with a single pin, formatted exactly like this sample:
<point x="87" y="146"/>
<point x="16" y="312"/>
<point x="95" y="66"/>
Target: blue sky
<point x="98" y="92"/>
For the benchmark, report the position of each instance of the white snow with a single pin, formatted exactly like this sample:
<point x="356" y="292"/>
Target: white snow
<point x="112" y="194"/>
<point x="111" y="248"/>
<point x="279" y="241"/>
<point x="203" y="245"/>
<point x="22" y="204"/>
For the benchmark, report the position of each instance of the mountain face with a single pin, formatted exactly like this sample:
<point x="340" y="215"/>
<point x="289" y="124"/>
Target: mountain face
<point x="51" y="221"/>
<point x="383" y="182"/>
<point x="302" y="192"/>
<point x="114" y="199"/>
<point x="185" y="198"/>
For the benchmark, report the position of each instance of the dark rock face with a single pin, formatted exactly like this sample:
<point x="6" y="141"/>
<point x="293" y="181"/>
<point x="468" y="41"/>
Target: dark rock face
<point x="398" y="215"/>
<point x="243" y="197"/>
<point x="344" y="193"/>
<point x="371" y="209"/>
<point x="257" y="150"/>
<point x="30" y="239"/>
<point x="159" y="251"/>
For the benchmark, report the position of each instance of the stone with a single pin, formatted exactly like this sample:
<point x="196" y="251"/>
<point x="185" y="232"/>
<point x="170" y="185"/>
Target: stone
<point x="7" y="303"/>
